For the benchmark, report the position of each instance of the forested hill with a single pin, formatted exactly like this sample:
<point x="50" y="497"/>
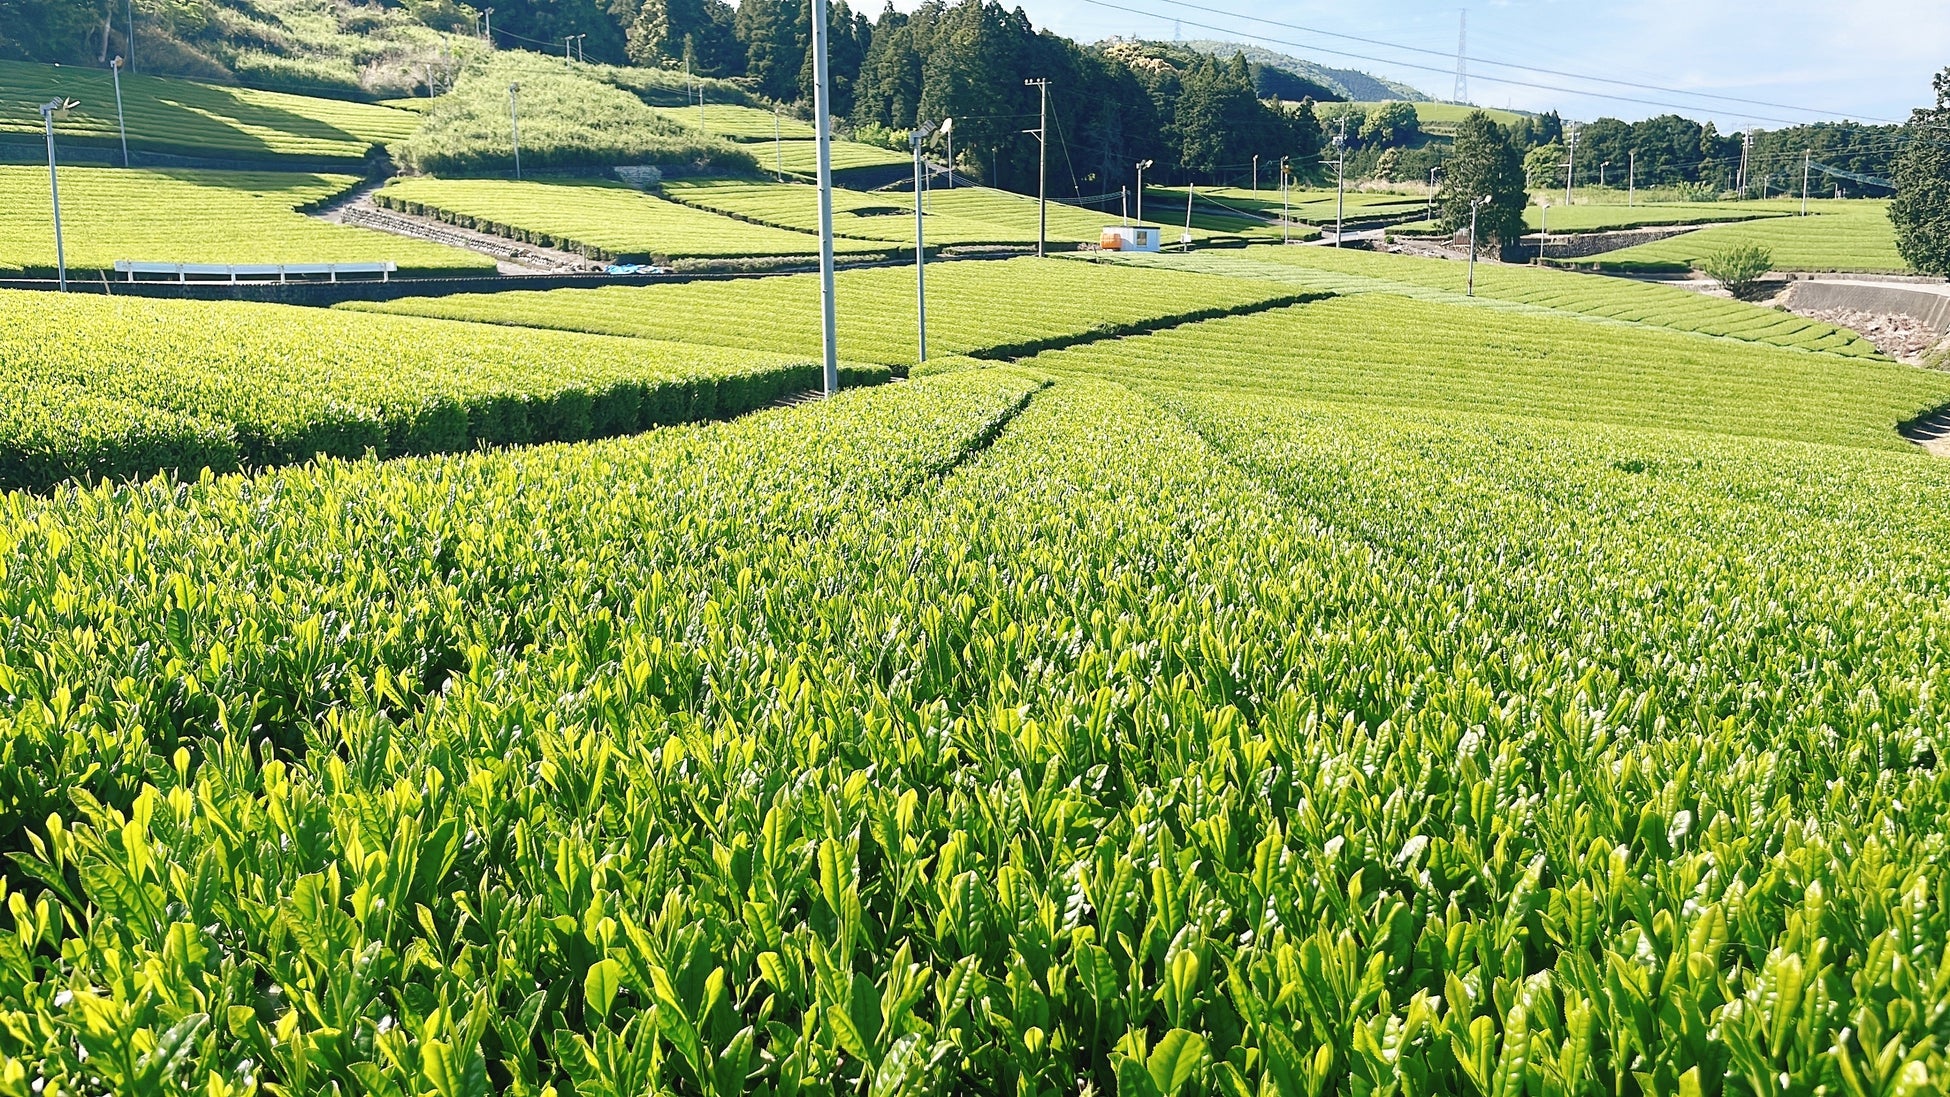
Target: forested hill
<point x="1341" y="83"/>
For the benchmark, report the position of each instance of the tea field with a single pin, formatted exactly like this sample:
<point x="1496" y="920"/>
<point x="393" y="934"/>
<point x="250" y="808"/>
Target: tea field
<point x="118" y="387"/>
<point x="986" y="309"/>
<point x="1844" y="235"/>
<point x="604" y="220"/>
<point x="183" y="116"/>
<point x="179" y="215"/>
<point x="1351" y="271"/>
<point x="984" y="733"/>
<point x="1260" y="672"/>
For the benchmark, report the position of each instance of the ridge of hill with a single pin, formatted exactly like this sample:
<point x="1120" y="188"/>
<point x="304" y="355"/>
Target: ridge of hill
<point x="1348" y="83"/>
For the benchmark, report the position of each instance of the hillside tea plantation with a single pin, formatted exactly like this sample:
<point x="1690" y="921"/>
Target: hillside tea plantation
<point x="180" y="215"/>
<point x="117" y="387"/>
<point x="1340" y="271"/>
<point x="989" y="733"/>
<point x="984" y="309"/>
<point x="603" y="219"/>
<point x="191" y="118"/>
<point x="1839" y="235"/>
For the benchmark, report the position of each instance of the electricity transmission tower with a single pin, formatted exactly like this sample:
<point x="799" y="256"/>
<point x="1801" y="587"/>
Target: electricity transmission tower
<point x="1462" y="59"/>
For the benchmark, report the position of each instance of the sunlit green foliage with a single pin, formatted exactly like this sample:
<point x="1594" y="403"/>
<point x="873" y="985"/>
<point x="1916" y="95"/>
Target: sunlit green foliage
<point x="1851" y="234"/>
<point x="221" y="384"/>
<point x="182" y="216"/>
<point x="1348" y="271"/>
<point x="991" y="309"/>
<point x="183" y="116"/>
<point x="602" y="219"/>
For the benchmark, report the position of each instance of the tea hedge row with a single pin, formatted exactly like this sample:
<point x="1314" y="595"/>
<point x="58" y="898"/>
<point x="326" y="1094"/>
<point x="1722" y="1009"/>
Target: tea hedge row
<point x="119" y="387"/>
<point x="1340" y="271"/>
<point x="185" y="216"/>
<point x="1225" y="746"/>
<point x="1378" y="349"/>
<point x="986" y="309"/>
<point x="600" y="219"/>
<point x="1846" y="235"/>
<point x="195" y="119"/>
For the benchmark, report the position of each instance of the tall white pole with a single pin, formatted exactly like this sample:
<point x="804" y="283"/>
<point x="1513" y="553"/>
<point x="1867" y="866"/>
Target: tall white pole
<point x="1042" y="165"/>
<point x="1807" y="162"/>
<point x="130" y="5"/>
<point x="1571" y="165"/>
<point x="1185" y="241"/>
<point x="1632" y="179"/>
<point x="822" y="126"/>
<point x="1473" y="208"/>
<point x="120" y="124"/>
<point x="1286" y="212"/>
<point x="920" y="253"/>
<point x="778" y="143"/>
<point x="1140" y="192"/>
<point x="1255" y="174"/>
<point x="54" y="188"/>
<point x="1340" y="181"/>
<point x="514" y="125"/>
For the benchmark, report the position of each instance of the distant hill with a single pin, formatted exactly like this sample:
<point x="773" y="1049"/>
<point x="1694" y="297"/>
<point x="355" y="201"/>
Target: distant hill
<point x="1345" y="83"/>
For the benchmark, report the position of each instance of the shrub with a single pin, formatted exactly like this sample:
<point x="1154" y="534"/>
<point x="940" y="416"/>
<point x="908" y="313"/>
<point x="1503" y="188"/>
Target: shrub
<point x="1738" y="269"/>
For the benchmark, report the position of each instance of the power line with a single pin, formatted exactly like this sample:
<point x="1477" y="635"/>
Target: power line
<point x="1493" y="79"/>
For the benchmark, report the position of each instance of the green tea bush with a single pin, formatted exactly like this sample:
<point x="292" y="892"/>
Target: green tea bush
<point x="1739" y="269"/>
<point x="114" y="387"/>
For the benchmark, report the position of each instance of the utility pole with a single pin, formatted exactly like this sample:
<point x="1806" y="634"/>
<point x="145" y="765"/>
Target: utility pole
<point x="920" y="135"/>
<point x="948" y="132"/>
<point x="566" y="59"/>
<point x="487" y="20"/>
<point x="514" y="124"/>
<point x="115" y="66"/>
<point x="1185" y="240"/>
<point x="1602" y="169"/>
<point x="51" y="110"/>
<point x="1631" y="178"/>
<point x="1570" y="163"/>
<point x="1746" y="145"/>
<point x="778" y="143"/>
<point x="1474" y="207"/>
<point x="1340" y="180"/>
<point x="1042" y="162"/>
<point x="130" y="4"/>
<point x="1543" y="227"/>
<point x="1255" y="175"/>
<point x="1286" y="215"/>
<point x="823" y="144"/>
<point x="1124" y="205"/>
<point x="1141" y="165"/>
<point x="1807" y="162"/>
<point x="1432" y="172"/>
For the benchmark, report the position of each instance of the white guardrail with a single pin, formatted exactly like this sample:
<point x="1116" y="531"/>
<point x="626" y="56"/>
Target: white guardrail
<point x="234" y="272"/>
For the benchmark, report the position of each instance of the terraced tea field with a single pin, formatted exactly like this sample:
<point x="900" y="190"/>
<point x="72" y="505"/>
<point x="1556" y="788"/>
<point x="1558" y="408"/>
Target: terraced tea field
<point x="1349" y="271"/>
<point x="1606" y="216"/>
<point x="1423" y="355"/>
<point x="741" y="123"/>
<point x="186" y="117"/>
<point x="604" y="220"/>
<point x="988" y="309"/>
<point x="735" y="724"/>
<point x="1849" y="235"/>
<point x="113" y="387"/>
<point x="183" y="216"/>
<point x="962" y="216"/>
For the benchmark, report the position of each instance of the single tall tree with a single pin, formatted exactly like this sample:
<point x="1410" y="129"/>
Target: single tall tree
<point x="1485" y="164"/>
<point x="1921" y="211"/>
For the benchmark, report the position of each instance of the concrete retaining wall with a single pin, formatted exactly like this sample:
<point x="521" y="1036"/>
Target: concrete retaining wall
<point x="1931" y="308"/>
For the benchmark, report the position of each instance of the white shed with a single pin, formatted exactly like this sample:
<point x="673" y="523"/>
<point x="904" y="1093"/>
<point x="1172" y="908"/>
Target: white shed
<point x="1130" y="238"/>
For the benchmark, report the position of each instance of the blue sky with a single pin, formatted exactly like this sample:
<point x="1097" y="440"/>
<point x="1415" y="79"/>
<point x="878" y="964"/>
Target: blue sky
<point x="1862" y="58"/>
